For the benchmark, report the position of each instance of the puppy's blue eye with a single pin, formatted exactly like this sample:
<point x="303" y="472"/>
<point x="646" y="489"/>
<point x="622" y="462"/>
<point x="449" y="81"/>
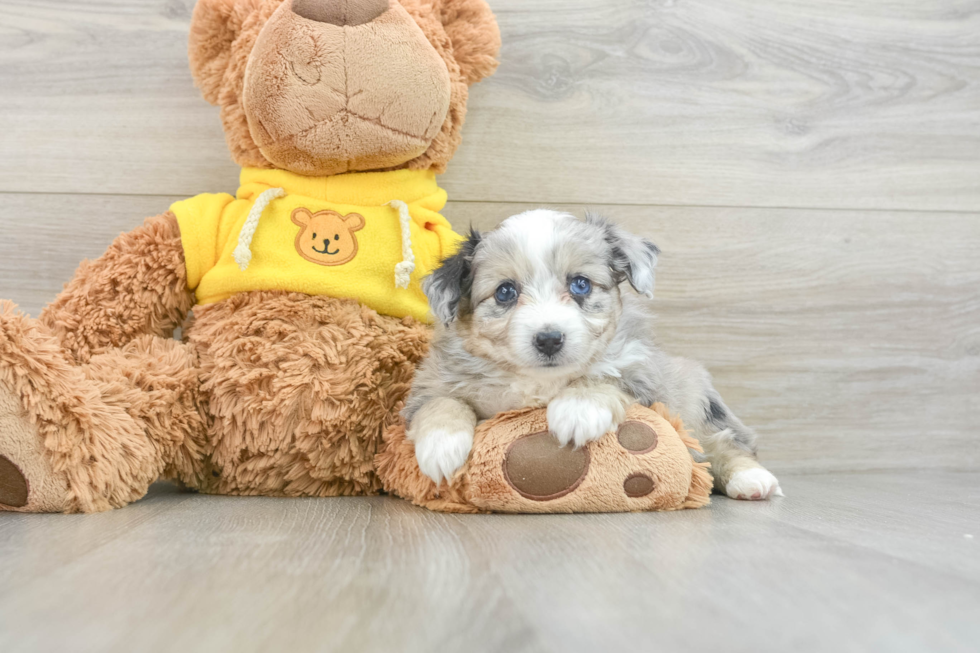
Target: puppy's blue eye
<point x="506" y="293"/>
<point x="580" y="286"/>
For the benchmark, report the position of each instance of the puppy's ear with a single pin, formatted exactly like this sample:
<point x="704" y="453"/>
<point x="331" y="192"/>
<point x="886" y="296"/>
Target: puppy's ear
<point x="452" y="281"/>
<point x="632" y="257"/>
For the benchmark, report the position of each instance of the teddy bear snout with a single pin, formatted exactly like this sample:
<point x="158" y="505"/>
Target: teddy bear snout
<point x="324" y="100"/>
<point x="340" y="12"/>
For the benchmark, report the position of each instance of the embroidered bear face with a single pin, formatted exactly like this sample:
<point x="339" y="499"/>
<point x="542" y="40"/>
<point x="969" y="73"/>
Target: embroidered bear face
<point x="326" y="237"/>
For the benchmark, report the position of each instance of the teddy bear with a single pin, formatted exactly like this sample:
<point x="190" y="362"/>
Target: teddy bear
<point x="298" y="298"/>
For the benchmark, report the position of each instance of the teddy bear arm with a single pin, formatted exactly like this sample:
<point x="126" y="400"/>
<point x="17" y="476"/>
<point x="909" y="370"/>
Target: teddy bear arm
<point x="138" y="287"/>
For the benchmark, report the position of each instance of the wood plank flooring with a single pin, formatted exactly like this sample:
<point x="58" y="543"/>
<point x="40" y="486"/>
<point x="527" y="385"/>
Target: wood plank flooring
<point x="846" y="562"/>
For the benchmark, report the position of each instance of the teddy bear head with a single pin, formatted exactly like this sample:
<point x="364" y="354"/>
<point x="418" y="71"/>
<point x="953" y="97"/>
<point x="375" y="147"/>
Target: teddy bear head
<point x="323" y="87"/>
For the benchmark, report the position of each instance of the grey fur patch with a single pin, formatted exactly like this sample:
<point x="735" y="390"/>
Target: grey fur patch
<point x="716" y="411"/>
<point x="451" y="283"/>
<point x="631" y="256"/>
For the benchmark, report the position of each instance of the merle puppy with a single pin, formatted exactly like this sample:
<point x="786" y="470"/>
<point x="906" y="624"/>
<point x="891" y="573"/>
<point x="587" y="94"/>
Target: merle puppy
<point x="531" y="314"/>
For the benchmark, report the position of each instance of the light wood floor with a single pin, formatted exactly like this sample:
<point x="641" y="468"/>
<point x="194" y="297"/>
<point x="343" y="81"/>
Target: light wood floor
<point x="847" y="562"/>
<point x="811" y="171"/>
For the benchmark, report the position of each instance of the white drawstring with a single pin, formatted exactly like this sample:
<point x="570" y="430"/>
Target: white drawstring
<point x="243" y="253"/>
<point x="404" y="270"/>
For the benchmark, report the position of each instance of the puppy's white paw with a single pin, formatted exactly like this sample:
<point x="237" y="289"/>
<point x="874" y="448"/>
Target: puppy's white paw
<point x="578" y="420"/>
<point x="753" y="485"/>
<point x="440" y="453"/>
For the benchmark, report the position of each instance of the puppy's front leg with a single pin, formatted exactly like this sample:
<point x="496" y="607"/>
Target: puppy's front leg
<point x="585" y="411"/>
<point x="442" y="430"/>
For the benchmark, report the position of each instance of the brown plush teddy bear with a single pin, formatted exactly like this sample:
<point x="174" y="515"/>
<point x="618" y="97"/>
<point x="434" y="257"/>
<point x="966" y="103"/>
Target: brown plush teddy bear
<point x="308" y="317"/>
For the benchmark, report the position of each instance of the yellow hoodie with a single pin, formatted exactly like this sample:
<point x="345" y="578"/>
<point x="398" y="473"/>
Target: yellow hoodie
<point x="370" y="236"/>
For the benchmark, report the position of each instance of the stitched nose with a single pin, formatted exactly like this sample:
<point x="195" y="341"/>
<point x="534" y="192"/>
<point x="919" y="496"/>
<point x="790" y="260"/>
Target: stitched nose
<point x="549" y="343"/>
<point x="340" y="12"/>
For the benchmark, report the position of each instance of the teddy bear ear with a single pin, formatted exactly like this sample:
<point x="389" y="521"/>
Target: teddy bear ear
<point x="473" y="30"/>
<point x="215" y="25"/>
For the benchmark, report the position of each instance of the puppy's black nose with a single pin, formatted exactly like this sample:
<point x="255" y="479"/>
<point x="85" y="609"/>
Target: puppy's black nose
<point x="549" y="343"/>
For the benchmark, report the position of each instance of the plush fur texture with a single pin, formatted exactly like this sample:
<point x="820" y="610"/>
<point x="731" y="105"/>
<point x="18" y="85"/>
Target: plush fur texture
<point x="139" y="286"/>
<point x="272" y="394"/>
<point x="483" y="484"/>
<point x="299" y="389"/>
<point x="107" y="429"/>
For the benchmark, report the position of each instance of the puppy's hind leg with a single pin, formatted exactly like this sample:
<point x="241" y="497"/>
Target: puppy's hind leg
<point x="737" y="473"/>
<point x="728" y="444"/>
<point x="442" y="430"/>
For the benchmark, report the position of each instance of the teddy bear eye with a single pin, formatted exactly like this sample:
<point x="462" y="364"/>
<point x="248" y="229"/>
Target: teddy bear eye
<point x="336" y="236"/>
<point x="314" y="235"/>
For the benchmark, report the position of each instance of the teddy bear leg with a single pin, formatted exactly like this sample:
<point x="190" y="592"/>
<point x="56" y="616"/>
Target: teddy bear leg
<point x="157" y="382"/>
<point x="87" y="439"/>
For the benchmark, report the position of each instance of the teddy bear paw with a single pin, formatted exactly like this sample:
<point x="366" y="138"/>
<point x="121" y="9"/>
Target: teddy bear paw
<point x="28" y="483"/>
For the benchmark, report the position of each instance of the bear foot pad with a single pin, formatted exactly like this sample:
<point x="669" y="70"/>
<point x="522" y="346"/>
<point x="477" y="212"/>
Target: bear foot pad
<point x="540" y="469"/>
<point x="645" y="464"/>
<point x="14" y="489"/>
<point x="517" y="466"/>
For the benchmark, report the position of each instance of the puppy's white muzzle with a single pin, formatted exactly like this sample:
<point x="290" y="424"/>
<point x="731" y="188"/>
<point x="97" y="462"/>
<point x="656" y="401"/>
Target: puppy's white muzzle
<point x="547" y="335"/>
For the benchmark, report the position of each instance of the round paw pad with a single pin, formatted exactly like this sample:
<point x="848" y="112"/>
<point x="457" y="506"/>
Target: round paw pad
<point x="638" y="485"/>
<point x="541" y="470"/>
<point x="13" y="485"/>
<point x="637" y="437"/>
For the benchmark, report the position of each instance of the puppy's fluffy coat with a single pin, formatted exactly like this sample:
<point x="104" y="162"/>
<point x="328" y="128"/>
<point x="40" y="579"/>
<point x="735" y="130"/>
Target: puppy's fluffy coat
<point x="532" y="314"/>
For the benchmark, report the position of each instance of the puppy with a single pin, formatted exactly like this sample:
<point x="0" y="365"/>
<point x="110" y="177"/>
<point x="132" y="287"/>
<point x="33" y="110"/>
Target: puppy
<point x="532" y="314"/>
